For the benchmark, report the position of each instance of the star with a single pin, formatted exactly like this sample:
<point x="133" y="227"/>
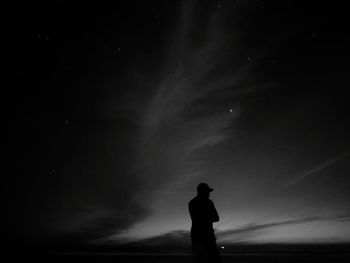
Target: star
<point x="116" y="50"/>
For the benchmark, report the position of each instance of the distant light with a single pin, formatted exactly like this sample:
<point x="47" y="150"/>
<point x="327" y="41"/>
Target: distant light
<point x="231" y="110"/>
<point x="222" y="247"/>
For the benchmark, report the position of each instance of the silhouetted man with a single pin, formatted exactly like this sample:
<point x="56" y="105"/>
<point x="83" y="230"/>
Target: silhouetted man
<point x="203" y="214"/>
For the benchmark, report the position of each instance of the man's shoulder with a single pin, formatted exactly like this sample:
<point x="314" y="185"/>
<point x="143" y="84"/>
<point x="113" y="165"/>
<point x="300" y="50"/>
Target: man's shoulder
<point x="193" y="200"/>
<point x="198" y="201"/>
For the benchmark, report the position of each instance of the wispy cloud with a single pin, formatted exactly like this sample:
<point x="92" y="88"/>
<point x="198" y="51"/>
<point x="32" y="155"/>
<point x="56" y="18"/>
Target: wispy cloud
<point x="315" y="169"/>
<point x="173" y="239"/>
<point x="194" y="102"/>
<point x="251" y="230"/>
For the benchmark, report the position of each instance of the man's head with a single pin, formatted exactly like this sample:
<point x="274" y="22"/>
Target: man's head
<point x="204" y="190"/>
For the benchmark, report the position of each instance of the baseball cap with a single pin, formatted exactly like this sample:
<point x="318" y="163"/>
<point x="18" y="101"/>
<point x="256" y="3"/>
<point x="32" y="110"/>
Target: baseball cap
<point x="203" y="187"/>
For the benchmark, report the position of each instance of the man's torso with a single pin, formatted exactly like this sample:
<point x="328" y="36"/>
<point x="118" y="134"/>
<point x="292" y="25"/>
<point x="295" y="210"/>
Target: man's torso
<point x="202" y="225"/>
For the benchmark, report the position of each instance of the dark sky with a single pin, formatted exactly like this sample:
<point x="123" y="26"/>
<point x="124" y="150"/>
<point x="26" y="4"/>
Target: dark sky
<point x="116" y="111"/>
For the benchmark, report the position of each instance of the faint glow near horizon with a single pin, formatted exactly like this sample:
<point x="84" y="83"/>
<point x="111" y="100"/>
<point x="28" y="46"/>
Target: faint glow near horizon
<point x="171" y="214"/>
<point x="323" y="231"/>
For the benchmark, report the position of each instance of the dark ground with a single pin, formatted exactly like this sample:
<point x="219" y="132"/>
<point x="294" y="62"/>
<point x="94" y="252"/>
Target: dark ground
<point x="334" y="258"/>
<point x="332" y="253"/>
<point x="237" y="257"/>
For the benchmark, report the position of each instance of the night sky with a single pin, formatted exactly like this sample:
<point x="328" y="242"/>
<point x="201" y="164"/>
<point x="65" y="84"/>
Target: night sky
<point x="114" y="112"/>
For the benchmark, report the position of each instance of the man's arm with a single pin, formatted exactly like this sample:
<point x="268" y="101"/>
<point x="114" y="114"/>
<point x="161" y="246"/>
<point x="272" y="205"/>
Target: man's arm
<point x="214" y="216"/>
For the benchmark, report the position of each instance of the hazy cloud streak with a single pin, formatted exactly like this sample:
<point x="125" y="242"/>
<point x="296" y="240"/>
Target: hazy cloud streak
<point x="315" y="170"/>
